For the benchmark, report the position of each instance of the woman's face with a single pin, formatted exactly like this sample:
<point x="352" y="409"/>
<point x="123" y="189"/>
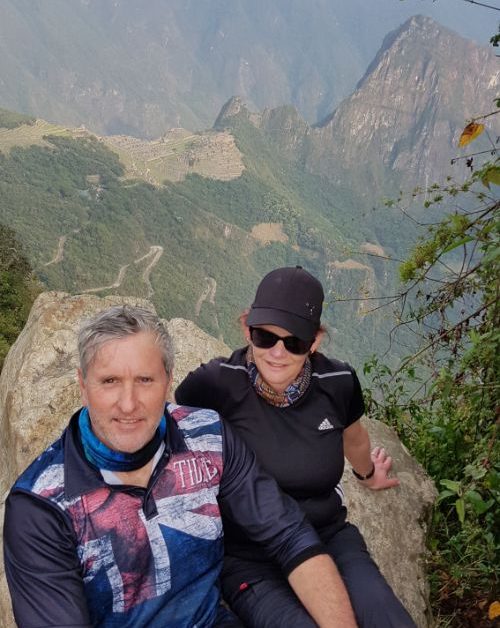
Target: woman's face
<point x="277" y="366"/>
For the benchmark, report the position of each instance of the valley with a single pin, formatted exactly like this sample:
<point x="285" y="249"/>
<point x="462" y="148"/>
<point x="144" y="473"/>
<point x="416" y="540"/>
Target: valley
<point x="193" y="219"/>
<point x="179" y="150"/>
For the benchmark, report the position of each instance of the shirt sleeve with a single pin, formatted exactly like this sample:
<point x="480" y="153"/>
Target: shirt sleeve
<point x="357" y="405"/>
<point x="251" y="498"/>
<point x="41" y="565"/>
<point x="199" y="388"/>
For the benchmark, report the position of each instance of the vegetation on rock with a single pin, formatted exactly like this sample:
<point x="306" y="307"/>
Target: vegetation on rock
<point x="11" y="119"/>
<point x="18" y="290"/>
<point x="443" y="400"/>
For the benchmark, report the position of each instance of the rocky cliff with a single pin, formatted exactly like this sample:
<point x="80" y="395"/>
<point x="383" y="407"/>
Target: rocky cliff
<point x="405" y="117"/>
<point x="38" y="391"/>
<point x="401" y="125"/>
<point x="121" y="68"/>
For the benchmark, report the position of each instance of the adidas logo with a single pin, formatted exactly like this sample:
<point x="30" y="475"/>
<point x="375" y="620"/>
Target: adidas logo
<point x="325" y="425"/>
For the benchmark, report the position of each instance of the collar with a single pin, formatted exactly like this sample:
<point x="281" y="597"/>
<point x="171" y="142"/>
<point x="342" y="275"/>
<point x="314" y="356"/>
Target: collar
<point x="81" y="477"/>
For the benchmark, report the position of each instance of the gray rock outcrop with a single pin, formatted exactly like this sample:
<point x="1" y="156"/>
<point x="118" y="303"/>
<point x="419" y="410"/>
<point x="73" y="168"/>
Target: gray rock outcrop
<point x="39" y="391"/>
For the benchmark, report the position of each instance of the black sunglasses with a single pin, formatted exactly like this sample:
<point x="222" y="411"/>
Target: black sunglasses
<point x="266" y="339"/>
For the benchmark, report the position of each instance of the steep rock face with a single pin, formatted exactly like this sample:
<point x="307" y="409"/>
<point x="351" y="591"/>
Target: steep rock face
<point x="284" y="126"/>
<point x="286" y="129"/>
<point x="38" y="391"/>
<point x="233" y="107"/>
<point x="407" y="113"/>
<point x="118" y="67"/>
<point x="402" y="123"/>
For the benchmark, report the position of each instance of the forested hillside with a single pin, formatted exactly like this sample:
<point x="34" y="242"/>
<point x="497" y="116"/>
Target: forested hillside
<point x="382" y="200"/>
<point x="18" y="289"/>
<point x="282" y="192"/>
<point x="197" y="247"/>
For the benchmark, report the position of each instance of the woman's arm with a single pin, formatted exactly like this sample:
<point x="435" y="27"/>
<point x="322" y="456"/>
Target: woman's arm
<point x="357" y="450"/>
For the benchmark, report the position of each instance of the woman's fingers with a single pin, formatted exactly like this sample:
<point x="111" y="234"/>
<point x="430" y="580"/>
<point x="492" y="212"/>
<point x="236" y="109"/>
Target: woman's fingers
<point x="383" y="464"/>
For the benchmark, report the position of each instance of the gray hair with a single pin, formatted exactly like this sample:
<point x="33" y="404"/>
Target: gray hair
<point x="119" y="322"/>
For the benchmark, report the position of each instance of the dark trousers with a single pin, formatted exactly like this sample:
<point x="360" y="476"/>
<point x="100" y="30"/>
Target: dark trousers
<point x="226" y="619"/>
<point x="260" y="595"/>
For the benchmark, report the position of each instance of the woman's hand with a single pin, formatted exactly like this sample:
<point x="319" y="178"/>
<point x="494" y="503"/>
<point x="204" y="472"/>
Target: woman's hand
<point x="380" y="479"/>
<point x="359" y="452"/>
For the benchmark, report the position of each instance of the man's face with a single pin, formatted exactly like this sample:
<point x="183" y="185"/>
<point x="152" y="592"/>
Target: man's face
<point x="125" y="390"/>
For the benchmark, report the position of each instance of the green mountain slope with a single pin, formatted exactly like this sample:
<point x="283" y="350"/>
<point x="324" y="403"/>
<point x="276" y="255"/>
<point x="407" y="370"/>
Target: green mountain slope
<point x="258" y="191"/>
<point x="197" y="247"/>
<point x="18" y="290"/>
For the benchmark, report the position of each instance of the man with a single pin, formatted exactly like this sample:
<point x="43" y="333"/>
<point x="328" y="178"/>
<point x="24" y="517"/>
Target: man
<point x="118" y="523"/>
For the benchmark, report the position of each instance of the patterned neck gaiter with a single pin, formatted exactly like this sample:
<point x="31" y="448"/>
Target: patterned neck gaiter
<point x="102" y="457"/>
<point x="290" y="395"/>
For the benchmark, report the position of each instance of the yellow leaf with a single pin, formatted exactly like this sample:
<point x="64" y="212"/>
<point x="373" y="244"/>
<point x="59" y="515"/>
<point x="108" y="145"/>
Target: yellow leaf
<point x="471" y="131"/>
<point x="494" y="610"/>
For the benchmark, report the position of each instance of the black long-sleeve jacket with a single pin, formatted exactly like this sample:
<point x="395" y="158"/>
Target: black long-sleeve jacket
<point x="80" y="552"/>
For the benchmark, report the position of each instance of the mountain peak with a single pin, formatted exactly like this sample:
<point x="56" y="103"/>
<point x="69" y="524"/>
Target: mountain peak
<point x="409" y="109"/>
<point x="420" y="27"/>
<point x="233" y="107"/>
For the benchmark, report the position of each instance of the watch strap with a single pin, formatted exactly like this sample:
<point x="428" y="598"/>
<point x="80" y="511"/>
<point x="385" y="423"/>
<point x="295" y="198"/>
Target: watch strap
<point x="364" y="477"/>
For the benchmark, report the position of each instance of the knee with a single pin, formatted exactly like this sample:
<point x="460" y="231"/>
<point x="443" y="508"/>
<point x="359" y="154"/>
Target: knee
<point x="378" y="607"/>
<point x="269" y="605"/>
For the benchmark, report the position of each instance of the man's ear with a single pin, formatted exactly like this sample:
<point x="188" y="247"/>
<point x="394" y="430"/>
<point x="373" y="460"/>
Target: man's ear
<point x="319" y="337"/>
<point x="83" y="388"/>
<point x="169" y="396"/>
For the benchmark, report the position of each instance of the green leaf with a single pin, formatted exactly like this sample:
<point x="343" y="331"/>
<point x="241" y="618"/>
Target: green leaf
<point x="475" y="473"/>
<point x="473" y="496"/>
<point x="452" y="485"/>
<point x="444" y="494"/>
<point x="437" y="429"/>
<point x="460" y="508"/>
<point x="491" y="255"/>
<point x="478" y="503"/>
<point x="492" y="175"/>
<point x="492" y="481"/>
<point x="458" y="243"/>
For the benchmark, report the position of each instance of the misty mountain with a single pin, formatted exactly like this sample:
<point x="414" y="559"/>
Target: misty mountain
<point x="403" y="121"/>
<point x="140" y="68"/>
<point x="192" y="221"/>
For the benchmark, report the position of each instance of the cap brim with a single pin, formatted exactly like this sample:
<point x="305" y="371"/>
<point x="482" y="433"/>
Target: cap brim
<point x="296" y="325"/>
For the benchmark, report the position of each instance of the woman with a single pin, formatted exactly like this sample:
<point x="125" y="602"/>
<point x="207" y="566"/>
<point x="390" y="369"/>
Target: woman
<point x="300" y="412"/>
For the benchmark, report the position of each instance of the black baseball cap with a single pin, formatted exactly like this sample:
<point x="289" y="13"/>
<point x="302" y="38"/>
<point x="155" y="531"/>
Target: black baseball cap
<point x="290" y="298"/>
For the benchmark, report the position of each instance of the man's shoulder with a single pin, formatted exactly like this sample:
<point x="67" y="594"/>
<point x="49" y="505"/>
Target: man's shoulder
<point x="201" y="428"/>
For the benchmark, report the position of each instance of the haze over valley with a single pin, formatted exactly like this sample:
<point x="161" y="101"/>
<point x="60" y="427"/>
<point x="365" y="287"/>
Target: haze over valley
<point x="126" y="172"/>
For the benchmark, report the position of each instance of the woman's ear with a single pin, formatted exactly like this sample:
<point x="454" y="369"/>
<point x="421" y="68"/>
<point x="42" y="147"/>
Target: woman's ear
<point x="244" y="327"/>
<point x="319" y="336"/>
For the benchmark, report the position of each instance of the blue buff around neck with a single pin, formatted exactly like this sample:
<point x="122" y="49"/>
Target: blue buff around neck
<point x="102" y="457"/>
